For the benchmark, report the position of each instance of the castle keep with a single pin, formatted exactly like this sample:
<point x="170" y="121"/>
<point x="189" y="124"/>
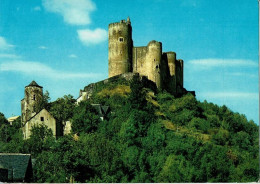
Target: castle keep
<point x="160" y="67"/>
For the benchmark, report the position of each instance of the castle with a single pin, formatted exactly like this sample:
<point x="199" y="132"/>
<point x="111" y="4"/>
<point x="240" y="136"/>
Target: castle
<point x="125" y="60"/>
<point x="160" y="67"/>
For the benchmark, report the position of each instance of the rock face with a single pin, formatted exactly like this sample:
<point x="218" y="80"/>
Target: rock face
<point x="160" y="67"/>
<point x="88" y="90"/>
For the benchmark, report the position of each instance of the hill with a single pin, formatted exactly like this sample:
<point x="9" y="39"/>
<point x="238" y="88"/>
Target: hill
<point x="149" y="136"/>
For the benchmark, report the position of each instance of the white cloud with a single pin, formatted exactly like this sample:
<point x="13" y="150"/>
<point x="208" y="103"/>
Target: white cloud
<point x="234" y="94"/>
<point x="73" y="11"/>
<point x="73" y="56"/>
<point x="43" y="47"/>
<point x="37" y="8"/>
<point x="88" y="37"/>
<point x="210" y="63"/>
<point x="9" y="56"/>
<point x="36" y="68"/>
<point x="3" y="44"/>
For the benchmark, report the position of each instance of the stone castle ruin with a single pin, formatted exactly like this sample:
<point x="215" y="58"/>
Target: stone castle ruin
<point x="160" y="67"/>
<point x="125" y="60"/>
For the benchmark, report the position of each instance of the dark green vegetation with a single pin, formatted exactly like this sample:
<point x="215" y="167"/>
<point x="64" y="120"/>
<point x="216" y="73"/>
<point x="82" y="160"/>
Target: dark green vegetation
<point x="147" y="138"/>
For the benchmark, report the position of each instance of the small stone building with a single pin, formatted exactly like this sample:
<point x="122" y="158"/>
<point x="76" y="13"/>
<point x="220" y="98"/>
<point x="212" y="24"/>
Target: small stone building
<point x="12" y="119"/>
<point x="30" y="114"/>
<point x="15" y="167"/>
<point x="43" y="117"/>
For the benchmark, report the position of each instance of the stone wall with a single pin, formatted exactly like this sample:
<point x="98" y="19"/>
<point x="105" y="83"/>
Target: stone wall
<point x="139" y="60"/>
<point x="43" y="117"/>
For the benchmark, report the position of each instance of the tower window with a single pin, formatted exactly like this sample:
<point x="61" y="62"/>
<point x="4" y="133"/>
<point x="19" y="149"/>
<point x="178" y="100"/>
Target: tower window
<point x="42" y="118"/>
<point x="121" y="39"/>
<point x="34" y="97"/>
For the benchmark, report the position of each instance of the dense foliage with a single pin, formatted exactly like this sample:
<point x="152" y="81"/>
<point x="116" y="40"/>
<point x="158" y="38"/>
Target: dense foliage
<point x="148" y="137"/>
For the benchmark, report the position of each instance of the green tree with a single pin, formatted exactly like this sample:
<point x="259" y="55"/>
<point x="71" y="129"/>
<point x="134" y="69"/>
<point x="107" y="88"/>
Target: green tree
<point x="62" y="108"/>
<point x="85" y="118"/>
<point x="137" y="97"/>
<point x="176" y="169"/>
<point x="7" y="131"/>
<point x="3" y="120"/>
<point x="44" y="103"/>
<point x="41" y="139"/>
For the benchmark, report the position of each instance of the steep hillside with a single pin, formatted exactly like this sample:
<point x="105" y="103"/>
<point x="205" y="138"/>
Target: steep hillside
<point x="149" y="136"/>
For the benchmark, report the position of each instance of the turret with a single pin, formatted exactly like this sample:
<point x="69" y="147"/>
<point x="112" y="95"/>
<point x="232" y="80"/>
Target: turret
<point x="153" y="62"/>
<point x="32" y="99"/>
<point x="171" y="58"/>
<point x="120" y="46"/>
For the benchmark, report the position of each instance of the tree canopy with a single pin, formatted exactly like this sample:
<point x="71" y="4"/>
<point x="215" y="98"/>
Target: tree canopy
<point x="149" y="136"/>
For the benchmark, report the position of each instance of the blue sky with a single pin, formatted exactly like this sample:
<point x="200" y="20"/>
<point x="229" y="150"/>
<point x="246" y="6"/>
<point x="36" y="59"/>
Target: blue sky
<point x="63" y="46"/>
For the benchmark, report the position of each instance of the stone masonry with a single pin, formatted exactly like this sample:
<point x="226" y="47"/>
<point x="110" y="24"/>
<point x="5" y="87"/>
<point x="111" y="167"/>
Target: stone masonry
<point x="160" y="67"/>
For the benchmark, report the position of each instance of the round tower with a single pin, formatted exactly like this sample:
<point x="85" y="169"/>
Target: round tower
<point x="120" y="46"/>
<point x="153" y="62"/>
<point x="33" y="98"/>
<point x="171" y="58"/>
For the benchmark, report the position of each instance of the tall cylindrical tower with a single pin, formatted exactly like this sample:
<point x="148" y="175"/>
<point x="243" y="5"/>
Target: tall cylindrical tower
<point x="171" y="58"/>
<point x="120" y="46"/>
<point x="153" y="62"/>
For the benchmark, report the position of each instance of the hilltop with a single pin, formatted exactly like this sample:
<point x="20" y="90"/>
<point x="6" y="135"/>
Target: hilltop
<point x="149" y="136"/>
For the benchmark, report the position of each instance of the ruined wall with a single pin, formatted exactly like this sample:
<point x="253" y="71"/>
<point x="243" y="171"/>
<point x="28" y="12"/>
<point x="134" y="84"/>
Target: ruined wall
<point x="139" y="60"/>
<point x="33" y="96"/>
<point x="120" y="46"/>
<point x="43" y="117"/>
<point x="67" y="127"/>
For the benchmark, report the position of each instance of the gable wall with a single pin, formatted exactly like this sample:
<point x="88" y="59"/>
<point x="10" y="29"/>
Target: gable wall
<point x="49" y="121"/>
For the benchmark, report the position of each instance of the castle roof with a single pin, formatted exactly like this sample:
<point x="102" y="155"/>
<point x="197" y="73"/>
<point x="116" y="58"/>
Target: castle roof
<point x="33" y="83"/>
<point x="18" y="167"/>
<point x="102" y="110"/>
